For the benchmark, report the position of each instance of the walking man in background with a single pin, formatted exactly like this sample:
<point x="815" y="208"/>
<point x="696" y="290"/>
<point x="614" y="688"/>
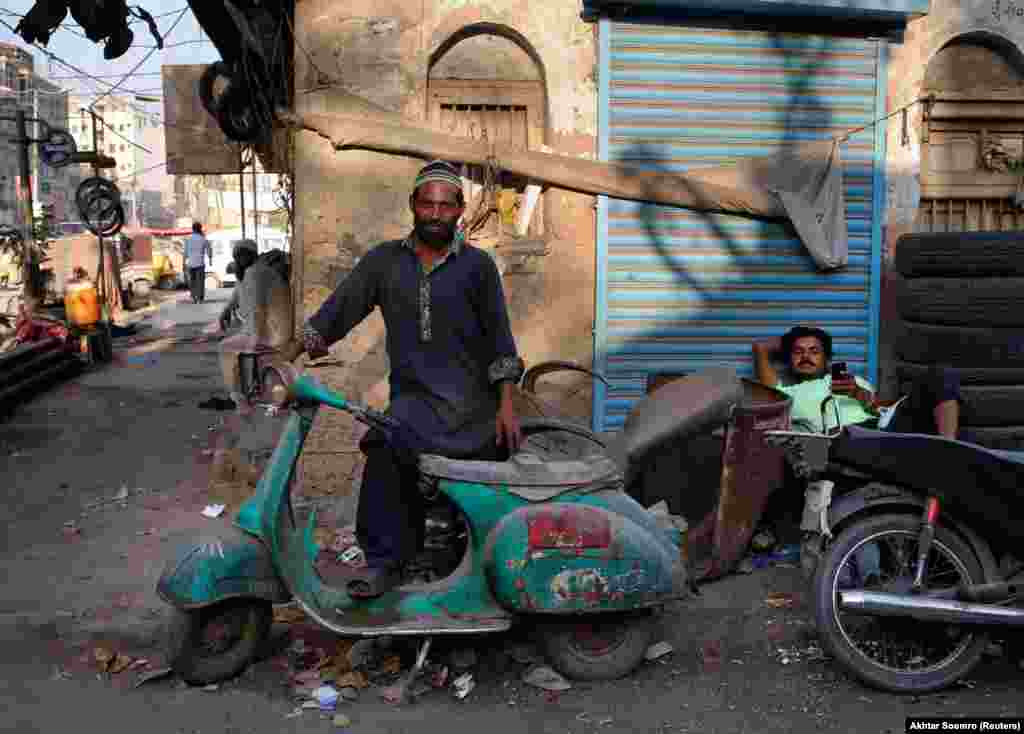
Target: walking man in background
<point x="197" y="253"/>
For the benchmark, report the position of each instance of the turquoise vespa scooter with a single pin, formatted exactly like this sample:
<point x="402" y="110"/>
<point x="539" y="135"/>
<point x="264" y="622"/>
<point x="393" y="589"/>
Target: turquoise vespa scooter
<point x="551" y="540"/>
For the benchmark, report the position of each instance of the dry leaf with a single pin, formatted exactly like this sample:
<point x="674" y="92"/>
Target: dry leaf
<point x="103" y="657"/>
<point x="119" y="664"/>
<point x="288" y="615"/>
<point x="392" y="664"/>
<point x="353" y="679"/>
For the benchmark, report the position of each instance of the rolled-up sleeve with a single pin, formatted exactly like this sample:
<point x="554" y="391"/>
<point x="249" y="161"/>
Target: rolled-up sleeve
<point x="506" y="364"/>
<point x="350" y="303"/>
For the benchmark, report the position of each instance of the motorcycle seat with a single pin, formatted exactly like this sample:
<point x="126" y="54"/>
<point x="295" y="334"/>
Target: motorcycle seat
<point x="527" y="475"/>
<point x="979" y="483"/>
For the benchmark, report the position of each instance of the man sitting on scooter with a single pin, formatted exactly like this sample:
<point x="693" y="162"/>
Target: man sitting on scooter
<point x="932" y="405"/>
<point x="453" y="366"/>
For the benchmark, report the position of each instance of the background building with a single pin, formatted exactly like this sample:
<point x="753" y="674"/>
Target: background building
<point x="21" y="87"/>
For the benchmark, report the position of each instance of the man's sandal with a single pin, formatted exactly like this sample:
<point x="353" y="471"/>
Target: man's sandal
<point x="367" y="583"/>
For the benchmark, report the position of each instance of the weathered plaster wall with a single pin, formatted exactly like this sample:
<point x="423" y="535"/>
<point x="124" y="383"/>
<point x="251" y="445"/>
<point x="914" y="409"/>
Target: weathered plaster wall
<point x="346" y="202"/>
<point x="908" y="62"/>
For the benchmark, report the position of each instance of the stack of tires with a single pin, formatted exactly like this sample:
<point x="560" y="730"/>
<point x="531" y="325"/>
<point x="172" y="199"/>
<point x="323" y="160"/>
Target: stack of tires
<point x="960" y="298"/>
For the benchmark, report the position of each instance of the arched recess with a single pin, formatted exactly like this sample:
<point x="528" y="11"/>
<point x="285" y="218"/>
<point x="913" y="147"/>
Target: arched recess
<point x="495" y="83"/>
<point x="972" y="135"/>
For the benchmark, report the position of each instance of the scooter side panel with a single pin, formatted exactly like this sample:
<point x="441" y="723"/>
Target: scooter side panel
<point x="572" y="557"/>
<point x="227" y="564"/>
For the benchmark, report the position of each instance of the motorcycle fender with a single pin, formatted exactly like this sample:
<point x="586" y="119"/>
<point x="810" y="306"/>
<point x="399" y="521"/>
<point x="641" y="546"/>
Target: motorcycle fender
<point x="228" y="564"/>
<point x="876" y="495"/>
<point x="567" y="558"/>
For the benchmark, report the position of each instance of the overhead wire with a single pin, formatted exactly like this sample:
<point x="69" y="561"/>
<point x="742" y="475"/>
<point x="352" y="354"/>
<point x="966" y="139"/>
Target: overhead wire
<point x="143" y="60"/>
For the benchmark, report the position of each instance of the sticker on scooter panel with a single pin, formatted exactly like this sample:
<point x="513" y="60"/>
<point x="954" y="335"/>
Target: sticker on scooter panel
<point x="568" y="527"/>
<point x="589" y="586"/>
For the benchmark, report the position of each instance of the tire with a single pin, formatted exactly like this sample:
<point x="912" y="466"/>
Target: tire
<point x="835" y="640"/>
<point x="960" y="345"/>
<point x="978" y="302"/>
<point x="185" y="648"/>
<point x="908" y="371"/>
<point x="565" y="643"/>
<point x="955" y="254"/>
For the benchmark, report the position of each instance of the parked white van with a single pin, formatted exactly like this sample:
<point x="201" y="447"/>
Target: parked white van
<point x="221" y="243"/>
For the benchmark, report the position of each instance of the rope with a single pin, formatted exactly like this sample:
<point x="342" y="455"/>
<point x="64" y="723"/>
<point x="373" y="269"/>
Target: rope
<point x="849" y="133"/>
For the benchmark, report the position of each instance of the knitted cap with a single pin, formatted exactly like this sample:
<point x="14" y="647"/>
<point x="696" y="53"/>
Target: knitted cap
<point x="438" y="171"/>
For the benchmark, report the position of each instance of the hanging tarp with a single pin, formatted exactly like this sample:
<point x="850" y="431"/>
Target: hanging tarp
<point x="802" y="183"/>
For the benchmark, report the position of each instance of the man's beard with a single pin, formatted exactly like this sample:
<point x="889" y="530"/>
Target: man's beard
<point x="436" y="239"/>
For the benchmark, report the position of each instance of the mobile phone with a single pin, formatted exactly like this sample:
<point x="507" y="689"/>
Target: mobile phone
<point x="839" y="370"/>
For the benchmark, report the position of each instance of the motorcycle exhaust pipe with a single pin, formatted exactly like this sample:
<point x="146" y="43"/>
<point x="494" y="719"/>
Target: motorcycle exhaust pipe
<point x="927" y="609"/>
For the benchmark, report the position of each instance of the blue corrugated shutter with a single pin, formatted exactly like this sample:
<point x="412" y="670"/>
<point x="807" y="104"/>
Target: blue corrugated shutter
<point x="679" y="291"/>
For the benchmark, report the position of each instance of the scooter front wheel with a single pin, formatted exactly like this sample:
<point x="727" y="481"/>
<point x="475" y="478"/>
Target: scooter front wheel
<point x="218" y="642"/>
<point x="599" y="646"/>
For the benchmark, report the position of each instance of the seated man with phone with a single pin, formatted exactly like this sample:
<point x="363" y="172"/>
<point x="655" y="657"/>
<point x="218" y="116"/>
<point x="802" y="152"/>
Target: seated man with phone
<point x="932" y="405"/>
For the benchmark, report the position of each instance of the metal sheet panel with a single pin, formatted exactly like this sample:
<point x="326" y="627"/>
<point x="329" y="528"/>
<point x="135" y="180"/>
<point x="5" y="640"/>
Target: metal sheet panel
<point x="679" y="290"/>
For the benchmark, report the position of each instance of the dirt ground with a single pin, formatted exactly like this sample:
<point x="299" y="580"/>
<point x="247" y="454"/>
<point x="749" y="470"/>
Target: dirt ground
<point x="105" y="474"/>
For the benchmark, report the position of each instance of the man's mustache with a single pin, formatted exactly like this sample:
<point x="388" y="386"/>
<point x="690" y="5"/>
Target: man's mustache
<point x="805" y="362"/>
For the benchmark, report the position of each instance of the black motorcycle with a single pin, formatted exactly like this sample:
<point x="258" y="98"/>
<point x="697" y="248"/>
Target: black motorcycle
<point x="902" y="533"/>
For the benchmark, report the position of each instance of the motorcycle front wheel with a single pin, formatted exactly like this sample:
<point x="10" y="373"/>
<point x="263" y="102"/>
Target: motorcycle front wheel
<point x="897" y="654"/>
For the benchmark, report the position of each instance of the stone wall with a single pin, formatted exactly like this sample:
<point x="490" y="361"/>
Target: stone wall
<point x="998" y="23"/>
<point x="381" y="52"/>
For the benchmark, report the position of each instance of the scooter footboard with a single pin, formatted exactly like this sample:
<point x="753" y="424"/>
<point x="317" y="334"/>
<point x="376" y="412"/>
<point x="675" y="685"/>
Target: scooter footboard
<point x="567" y="558"/>
<point x="225" y="564"/>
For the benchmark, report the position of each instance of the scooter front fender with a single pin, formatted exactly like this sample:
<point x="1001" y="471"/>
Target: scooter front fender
<point x="226" y="564"/>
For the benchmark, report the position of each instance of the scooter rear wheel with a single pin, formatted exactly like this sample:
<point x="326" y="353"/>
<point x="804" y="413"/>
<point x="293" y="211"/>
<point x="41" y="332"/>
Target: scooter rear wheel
<point x="218" y="642"/>
<point x="598" y="647"/>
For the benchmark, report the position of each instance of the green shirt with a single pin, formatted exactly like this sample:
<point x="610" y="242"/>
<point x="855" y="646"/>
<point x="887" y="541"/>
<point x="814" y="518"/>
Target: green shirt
<point x="807" y="397"/>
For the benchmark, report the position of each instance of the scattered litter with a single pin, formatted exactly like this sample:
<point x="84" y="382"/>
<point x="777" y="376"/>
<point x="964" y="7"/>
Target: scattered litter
<point x="542" y="676"/>
<point x="354" y="679"/>
<point x="212" y="687"/>
<point x="122" y="494"/>
<point x="780" y="600"/>
<point x="440" y="678"/>
<point x="119" y="664"/>
<point x="351" y="555"/>
<point x="103" y="657"/>
<point x="786" y="554"/>
<point x="295" y="713"/>
<point x="391" y="665"/>
<point x="71" y="530"/>
<point x="138" y="663"/>
<point x="153" y="675"/>
<point x="144" y="532"/>
<point x="288" y="615"/>
<point x="463" y="685"/>
<point x="311" y="705"/>
<point x="341" y="720"/>
<point x="605" y="722"/>
<point x="327" y="697"/>
<point x="463" y="659"/>
<point x="657" y="650"/>
<point x="525" y="654"/>
<point x="393" y="694"/>
<point x="213" y="510"/>
<point x="60" y="674"/>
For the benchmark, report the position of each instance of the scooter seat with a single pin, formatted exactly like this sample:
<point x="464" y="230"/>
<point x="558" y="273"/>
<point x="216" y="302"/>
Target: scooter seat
<point x="527" y="475"/>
